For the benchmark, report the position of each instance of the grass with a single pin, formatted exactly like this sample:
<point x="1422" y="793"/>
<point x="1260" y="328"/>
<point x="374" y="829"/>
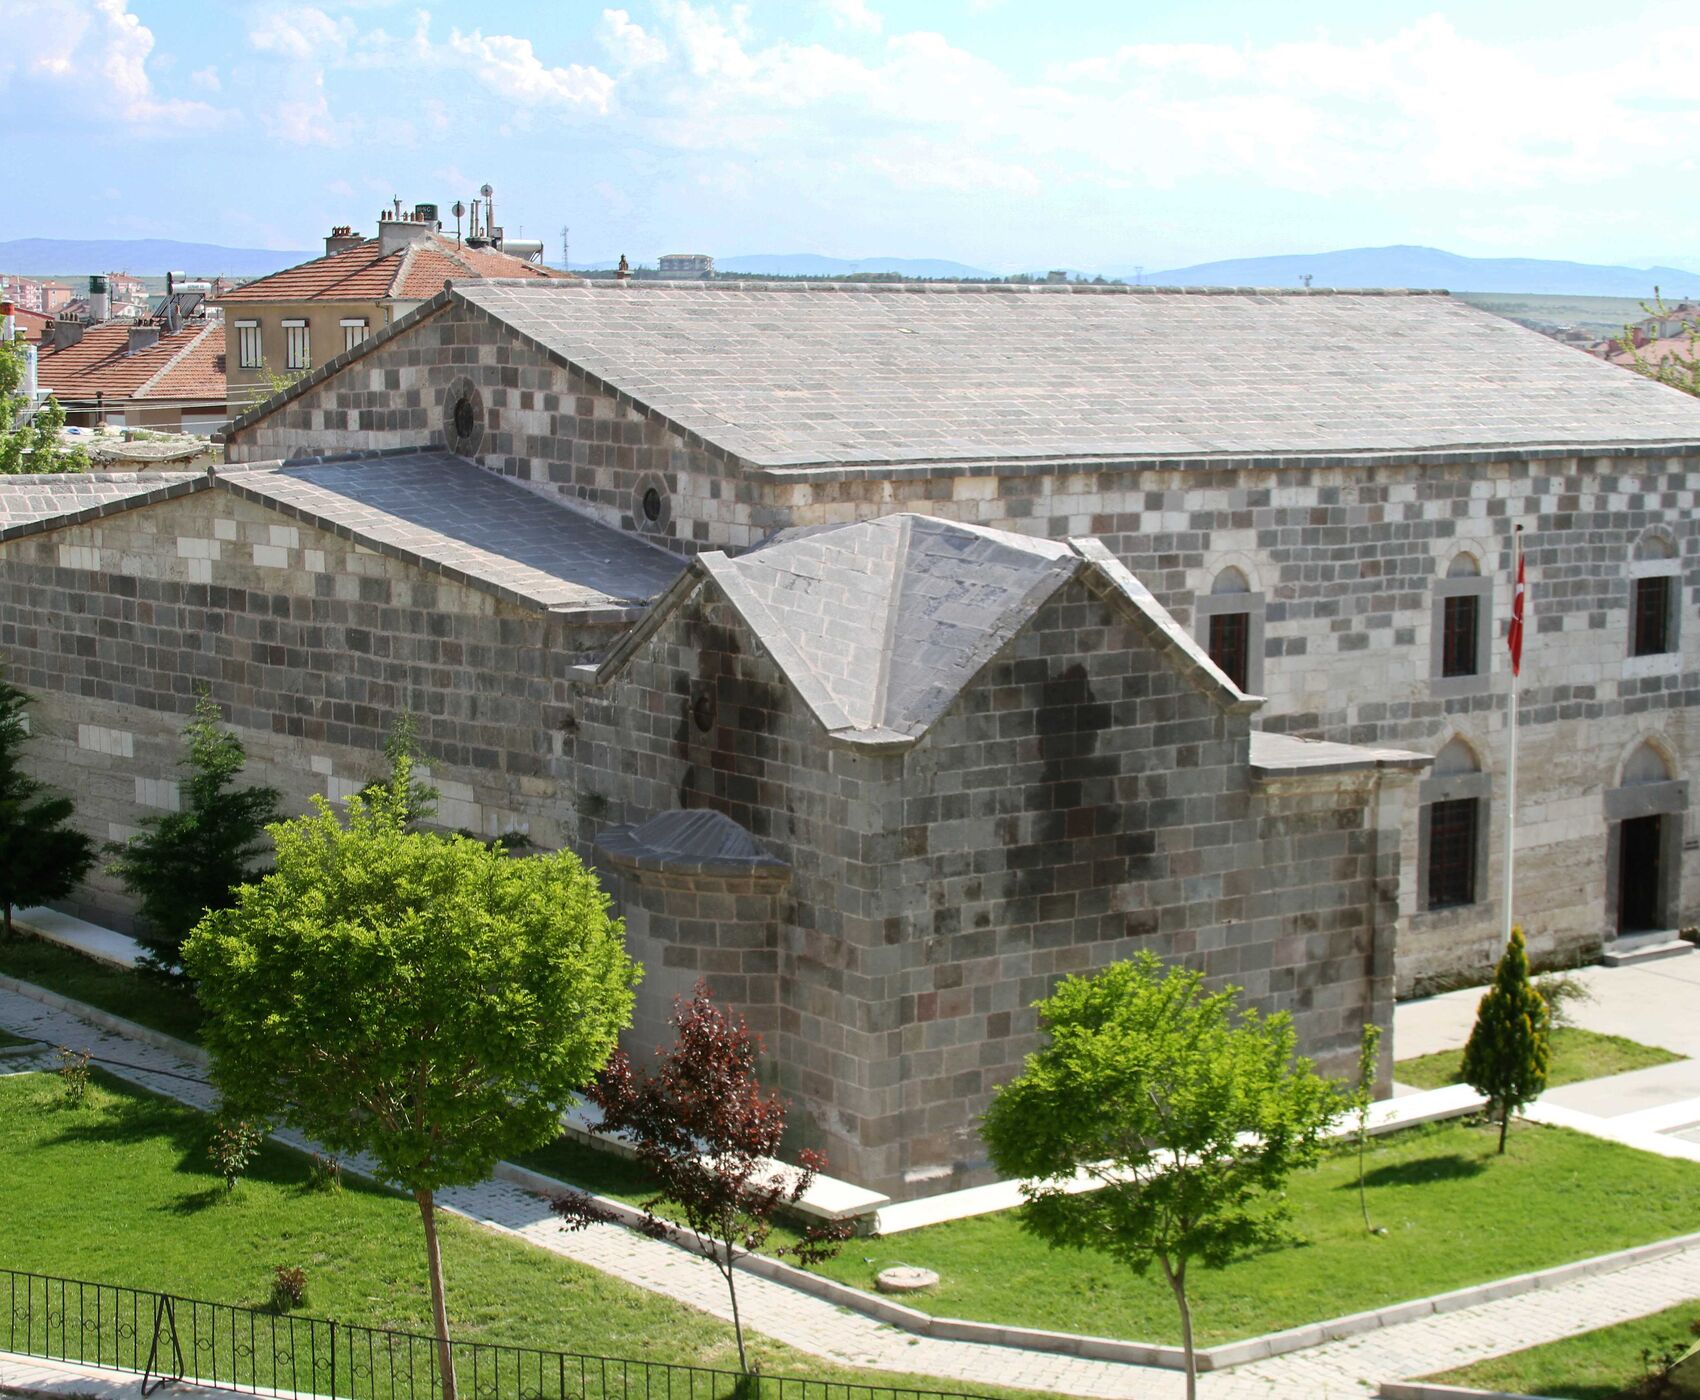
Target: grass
<point x="9" y="1042"/>
<point x="1440" y="1190"/>
<point x="121" y="1190"/>
<point x="1598" y="1365"/>
<point x="149" y="1000"/>
<point x="593" y="1169"/>
<point x="1576" y="1055"/>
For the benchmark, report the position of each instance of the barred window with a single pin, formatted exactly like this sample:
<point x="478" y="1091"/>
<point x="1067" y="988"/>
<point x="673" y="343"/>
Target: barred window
<point x="297" y="345"/>
<point x="1452" y="853"/>
<point x="1230" y="645"/>
<point x="248" y="352"/>
<point x="1462" y="617"/>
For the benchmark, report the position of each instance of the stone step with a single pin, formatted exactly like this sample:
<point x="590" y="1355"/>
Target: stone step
<point x="1626" y="952"/>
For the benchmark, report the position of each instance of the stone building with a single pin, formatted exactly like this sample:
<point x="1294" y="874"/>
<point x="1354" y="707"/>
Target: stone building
<point x="984" y="704"/>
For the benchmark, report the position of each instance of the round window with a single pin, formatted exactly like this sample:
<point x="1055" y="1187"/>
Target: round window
<point x="652" y="505"/>
<point x="466" y="417"/>
<point x="703" y="709"/>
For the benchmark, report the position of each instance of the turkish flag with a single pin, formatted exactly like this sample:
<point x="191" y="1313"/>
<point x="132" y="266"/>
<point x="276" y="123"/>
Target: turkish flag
<point x="1514" y="637"/>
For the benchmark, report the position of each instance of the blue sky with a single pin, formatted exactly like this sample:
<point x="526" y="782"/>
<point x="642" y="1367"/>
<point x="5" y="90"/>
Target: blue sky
<point x="1006" y="134"/>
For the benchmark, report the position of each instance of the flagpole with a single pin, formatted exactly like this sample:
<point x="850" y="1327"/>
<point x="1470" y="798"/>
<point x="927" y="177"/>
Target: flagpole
<point x="1519" y="603"/>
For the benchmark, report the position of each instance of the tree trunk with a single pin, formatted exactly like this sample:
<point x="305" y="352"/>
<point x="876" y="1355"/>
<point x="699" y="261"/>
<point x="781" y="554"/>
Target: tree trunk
<point x="1504" y="1126"/>
<point x="1363" y="1199"/>
<point x="737" y="1323"/>
<point x="439" y="1309"/>
<point x="1177" y="1282"/>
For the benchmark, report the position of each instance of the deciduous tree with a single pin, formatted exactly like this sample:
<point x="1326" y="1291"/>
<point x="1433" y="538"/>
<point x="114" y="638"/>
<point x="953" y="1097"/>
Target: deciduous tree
<point x="33" y="446"/>
<point x="711" y="1135"/>
<point x="1189" y="1116"/>
<point x="419" y="998"/>
<point x="1360" y="1098"/>
<point x="1506" y="1056"/>
<point x="186" y="862"/>
<point x="1680" y="371"/>
<point x="42" y="856"/>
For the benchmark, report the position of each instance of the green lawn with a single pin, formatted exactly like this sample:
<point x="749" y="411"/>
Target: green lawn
<point x="1576" y="1055"/>
<point x="150" y="1000"/>
<point x="593" y="1169"/>
<point x="1598" y="1365"/>
<point x="1440" y="1191"/>
<point x="121" y="1191"/>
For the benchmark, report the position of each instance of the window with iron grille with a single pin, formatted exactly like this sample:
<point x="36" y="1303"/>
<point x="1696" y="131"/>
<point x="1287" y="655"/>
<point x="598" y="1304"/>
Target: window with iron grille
<point x="1458" y="654"/>
<point x="297" y="347"/>
<point x="1650" y="625"/>
<point x="353" y="332"/>
<point x="1229" y="644"/>
<point x="1452" y="853"/>
<point x="248" y="353"/>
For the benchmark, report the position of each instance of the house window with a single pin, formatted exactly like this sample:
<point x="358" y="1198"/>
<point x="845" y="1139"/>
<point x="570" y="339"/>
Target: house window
<point x="1452" y="853"/>
<point x="353" y="332"/>
<point x="1229" y="634"/>
<point x="1461" y="618"/>
<point x="297" y="345"/>
<point x="248" y="353"/>
<point x="1649" y="632"/>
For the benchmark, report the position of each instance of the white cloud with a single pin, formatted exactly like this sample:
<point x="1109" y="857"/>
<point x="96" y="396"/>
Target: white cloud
<point x="510" y="66"/>
<point x="207" y="78"/>
<point x="94" y="54"/>
<point x="304" y="33"/>
<point x="628" y="43"/>
<point x="304" y="120"/>
<point x="853" y="15"/>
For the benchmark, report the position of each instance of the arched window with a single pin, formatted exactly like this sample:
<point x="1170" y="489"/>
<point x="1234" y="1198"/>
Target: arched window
<point x="1463" y="601"/>
<point x="1645" y="765"/>
<point x="1230" y="624"/>
<point x="1452" y="837"/>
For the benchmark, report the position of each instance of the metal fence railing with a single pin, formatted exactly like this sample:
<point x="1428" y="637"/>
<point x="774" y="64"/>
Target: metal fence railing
<point x="164" y="1338"/>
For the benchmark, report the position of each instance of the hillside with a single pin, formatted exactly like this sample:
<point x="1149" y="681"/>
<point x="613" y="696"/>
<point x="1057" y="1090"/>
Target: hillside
<point x="47" y="257"/>
<point x="1407" y="266"/>
<point x="814" y="265"/>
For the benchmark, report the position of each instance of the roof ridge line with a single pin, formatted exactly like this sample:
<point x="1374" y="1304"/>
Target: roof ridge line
<point x="141" y="390"/>
<point x="882" y="680"/>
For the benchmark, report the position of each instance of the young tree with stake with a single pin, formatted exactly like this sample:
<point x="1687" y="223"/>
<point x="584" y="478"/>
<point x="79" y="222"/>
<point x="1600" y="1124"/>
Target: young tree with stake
<point x="1506" y="1056"/>
<point x="1189" y="1117"/>
<point x="1361" y="1099"/>
<point x="711" y="1136"/>
<point x="420" y="998"/>
<point x="42" y="856"/>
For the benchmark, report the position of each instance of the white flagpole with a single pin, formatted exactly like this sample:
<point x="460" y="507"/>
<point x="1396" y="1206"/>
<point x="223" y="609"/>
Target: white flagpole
<point x="1511" y="727"/>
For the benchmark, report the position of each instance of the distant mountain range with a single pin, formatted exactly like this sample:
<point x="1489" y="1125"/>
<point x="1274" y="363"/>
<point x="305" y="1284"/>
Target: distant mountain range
<point x="144" y="257"/>
<point x="1398" y="266"/>
<point x="1407" y="266"/>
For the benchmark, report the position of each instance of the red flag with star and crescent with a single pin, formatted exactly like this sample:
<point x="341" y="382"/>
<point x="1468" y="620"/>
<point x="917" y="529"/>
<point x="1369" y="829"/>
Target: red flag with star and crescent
<point x="1514" y="636"/>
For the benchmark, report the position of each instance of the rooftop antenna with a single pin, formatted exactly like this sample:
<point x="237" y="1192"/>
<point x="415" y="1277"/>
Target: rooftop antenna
<point x="396" y="200"/>
<point x="566" y="248"/>
<point x="489" y="210"/>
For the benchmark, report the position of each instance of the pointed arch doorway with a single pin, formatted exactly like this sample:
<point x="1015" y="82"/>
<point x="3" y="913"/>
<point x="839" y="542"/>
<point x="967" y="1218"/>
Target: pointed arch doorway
<point x="1644" y="816"/>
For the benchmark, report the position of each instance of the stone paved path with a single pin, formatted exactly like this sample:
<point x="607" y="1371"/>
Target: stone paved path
<point x="1346" y="1368"/>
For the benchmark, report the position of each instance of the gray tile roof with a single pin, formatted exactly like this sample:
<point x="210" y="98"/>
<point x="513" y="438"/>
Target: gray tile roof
<point x="443" y="513"/>
<point x="32" y="503"/>
<point x="808" y="375"/>
<point x="694" y="841"/>
<point x="1287" y="756"/>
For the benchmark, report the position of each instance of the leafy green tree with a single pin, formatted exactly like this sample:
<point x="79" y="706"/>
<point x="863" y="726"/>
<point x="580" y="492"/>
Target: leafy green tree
<point x="401" y="745"/>
<point x="1673" y="368"/>
<point x="1189" y="1117"/>
<point x="416" y="997"/>
<point x="33" y="446"/>
<point x="1506" y="1056"/>
<point x="42" y="856"/>
<point x="1360" y="1099"/>
<point x="183" y="863"/>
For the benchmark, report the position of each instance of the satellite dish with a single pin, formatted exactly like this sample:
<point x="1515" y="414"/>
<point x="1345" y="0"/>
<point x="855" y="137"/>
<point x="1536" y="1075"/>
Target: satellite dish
<point x="458" y="209"/>
<point x="486" y="191"/>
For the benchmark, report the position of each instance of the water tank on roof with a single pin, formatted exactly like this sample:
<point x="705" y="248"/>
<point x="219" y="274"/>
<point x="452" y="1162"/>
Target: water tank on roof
<point x="528" y="248"/>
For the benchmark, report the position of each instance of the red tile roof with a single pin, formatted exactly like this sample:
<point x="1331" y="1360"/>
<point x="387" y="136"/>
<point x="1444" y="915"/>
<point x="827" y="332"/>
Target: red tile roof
<point x="179" y="366"/>
<point x="363" y="273"/>
<point x="31" y="323"/>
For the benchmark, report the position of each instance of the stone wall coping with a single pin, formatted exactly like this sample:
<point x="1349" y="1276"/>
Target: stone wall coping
<point x="1288" y="756"/>
<point x="91" y="940"/>
<point x="1427" y="1390"/>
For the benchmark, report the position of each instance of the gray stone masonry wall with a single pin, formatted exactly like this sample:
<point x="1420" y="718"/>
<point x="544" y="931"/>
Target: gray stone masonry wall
<point x="534" y="422"/>
<point x="1347" y="560"/>
<point x="310" y="643"/>
<point x="1080" y="801"/>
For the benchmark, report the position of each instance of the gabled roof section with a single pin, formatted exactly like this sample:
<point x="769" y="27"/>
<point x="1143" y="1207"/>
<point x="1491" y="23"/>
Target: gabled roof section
<point x="447" y="516"/>
<point x="411" y="273"/>
<point x="101" y="364"/>
<point x="32" y="504"/>
<point x="880" y="625"/>
<point x="800" y="378"/>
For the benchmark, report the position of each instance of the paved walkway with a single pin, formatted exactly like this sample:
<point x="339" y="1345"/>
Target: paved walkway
<point x="1348" y="1368"/>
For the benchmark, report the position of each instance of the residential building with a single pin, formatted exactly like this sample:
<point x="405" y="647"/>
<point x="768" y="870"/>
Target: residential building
<point x="292" y="321"/>
<point x="680" y="267"/>
<point x="137" y="374"/>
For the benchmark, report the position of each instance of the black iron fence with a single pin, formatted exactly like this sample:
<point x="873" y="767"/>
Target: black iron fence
<point x="164" y="1338"/>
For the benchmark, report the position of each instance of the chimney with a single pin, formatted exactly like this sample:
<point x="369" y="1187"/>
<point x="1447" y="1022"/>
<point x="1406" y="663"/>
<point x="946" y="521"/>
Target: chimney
<point x="396" y="231"/>
<point x="67" y="331"/>
<point x="8" y="322"/>
<point x="141" y="338"/>
<point x="100" y="303"/>
<point x="341" y="239"/>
